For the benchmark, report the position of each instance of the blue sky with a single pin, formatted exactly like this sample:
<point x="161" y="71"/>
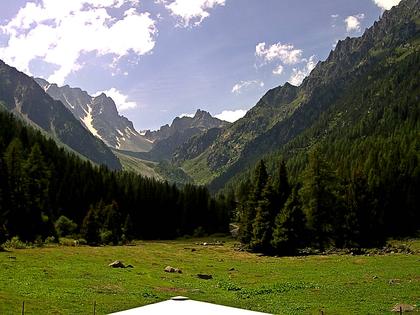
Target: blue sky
<point x="160" y="59"/>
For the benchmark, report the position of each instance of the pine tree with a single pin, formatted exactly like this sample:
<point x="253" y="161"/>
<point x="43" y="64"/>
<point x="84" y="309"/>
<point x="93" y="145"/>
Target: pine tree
<point x="262" y="227"/>
<point x="289" y="228"/>
<point x="248" y="214"/>
<point x="128" y="229"/>
<point x="16" y="222"/>
<point x="36" y="183"/>
<point x="319" y="199"/>
<point x="113" y="221"/>
<point x="91" y="227"/>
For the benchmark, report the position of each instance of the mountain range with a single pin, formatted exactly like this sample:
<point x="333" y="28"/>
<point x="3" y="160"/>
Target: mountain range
<point x="337" y="100"/>
<point x="22" y="96"/>
<point x="100" y="116"/>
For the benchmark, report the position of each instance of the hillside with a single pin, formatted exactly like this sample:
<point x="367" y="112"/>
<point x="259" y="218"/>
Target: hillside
<point x="22" y="96"/>
<point x="286" y="117"/>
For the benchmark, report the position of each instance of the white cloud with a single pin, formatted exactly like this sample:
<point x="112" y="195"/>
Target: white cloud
<point x="299" y="74"/>
<point x="191" y="12"/>
<point x="238" y="87"/>
<point x="120" y="99"/>
<point x="231" y="115"/>
<point x="286" y="53"/>
<point x="386" y="4"/>
<point x="353" y="22"/>
<point x="59" y="32"/>
<point x="278" y="70"/>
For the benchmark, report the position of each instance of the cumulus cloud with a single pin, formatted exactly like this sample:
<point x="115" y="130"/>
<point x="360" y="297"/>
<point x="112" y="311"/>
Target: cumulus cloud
<point x="278" y="70"/>
<point x="231" y="115"/>
<point x="191" y="12"/>
<point x="353" y="22"/>
<point x="386" y="4"/>
<point x="120" y="99"/>
<point x="286" y="53"/>
<point x="59" y="32"/>
<point x="239" y="87"/>
<point x="299" y="74"/>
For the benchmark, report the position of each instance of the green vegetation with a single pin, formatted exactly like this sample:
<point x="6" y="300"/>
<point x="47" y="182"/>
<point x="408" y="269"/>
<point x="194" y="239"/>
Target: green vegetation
<point x="67" y="280"/>
<point x="138" y="166"/>
<point x="41" y="183"/>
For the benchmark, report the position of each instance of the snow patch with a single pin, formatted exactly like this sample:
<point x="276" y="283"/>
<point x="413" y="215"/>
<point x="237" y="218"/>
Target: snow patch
<point x="87" y="120"/>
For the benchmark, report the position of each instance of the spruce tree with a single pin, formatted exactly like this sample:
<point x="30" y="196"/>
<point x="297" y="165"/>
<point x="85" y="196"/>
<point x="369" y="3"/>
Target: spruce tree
<point x="263" y="223"/>
<point x="319" y="199"/>
<point x="289" y="228"/>
<point x="91" y="227"/>
<point x="37" y="176"/>
<point x="248" y="214"/>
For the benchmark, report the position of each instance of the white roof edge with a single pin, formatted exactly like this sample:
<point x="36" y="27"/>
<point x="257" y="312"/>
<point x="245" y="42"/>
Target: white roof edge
<point x="181" y="305"/>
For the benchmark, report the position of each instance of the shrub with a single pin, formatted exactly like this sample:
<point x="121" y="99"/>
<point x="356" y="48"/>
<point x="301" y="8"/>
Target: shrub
<point x="16" y="243"/>
<point x="64" y="226"/>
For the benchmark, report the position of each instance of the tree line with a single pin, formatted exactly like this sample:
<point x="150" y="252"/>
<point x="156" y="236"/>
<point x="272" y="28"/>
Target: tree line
<point x="46" y="191"/>
<point x="322" y="210"/>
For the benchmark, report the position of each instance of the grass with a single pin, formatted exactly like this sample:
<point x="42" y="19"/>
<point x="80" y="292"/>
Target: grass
<point x="138" y="166"/>
<point x="67" y="280"/>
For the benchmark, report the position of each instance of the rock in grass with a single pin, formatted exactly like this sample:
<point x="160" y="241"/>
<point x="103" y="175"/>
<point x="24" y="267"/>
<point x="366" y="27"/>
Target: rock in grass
<point x="204" y="277"/>
<point x="403" y="308"/>
<point x="172" y="269"/>
<point x="117" y="264"/>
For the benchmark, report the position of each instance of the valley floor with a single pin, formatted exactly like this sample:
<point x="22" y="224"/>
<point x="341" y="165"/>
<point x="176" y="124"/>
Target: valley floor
<point x="67" y="280"/>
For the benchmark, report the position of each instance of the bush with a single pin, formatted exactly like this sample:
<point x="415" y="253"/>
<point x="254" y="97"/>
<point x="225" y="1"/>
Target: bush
<point x="106" y="236"/>
<point x="16" y="243"/>
<point x="64" y="226"/>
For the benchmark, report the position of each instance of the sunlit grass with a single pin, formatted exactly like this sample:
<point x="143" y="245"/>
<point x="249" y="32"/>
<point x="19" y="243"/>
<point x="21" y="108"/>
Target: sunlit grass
<point x="67" y="280"/>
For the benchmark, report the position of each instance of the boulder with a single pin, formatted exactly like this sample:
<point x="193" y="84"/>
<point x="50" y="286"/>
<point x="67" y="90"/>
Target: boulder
<point x="117" y="264"/>
<point x="403" y="308"/>
<point x="172" y="269"/>
<point x="204" y="277"/>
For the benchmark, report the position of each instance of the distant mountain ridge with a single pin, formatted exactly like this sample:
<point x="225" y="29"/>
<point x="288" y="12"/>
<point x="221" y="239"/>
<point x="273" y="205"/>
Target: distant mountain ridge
<point x="168" y="139"/>
<point x="201" y="120"/>
<point x="100" y="116"/>
<point x="22" y="96"/>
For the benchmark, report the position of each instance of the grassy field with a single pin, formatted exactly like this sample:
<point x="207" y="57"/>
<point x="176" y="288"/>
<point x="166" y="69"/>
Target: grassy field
<point x="67" y="280"/>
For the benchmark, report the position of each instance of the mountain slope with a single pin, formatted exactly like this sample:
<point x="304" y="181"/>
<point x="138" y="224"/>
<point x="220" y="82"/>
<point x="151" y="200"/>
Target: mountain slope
<point x="100" y="116"/>
<point x="168" y="139"/>
<point x="21" y="95"/>
<point x="287" y="112"/>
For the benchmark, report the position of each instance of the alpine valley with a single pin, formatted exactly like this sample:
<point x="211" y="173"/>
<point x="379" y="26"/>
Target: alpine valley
<point x="307" y="204"/>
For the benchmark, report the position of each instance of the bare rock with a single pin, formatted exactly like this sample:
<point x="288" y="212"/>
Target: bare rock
<point x="117" y="264"/>
<point x="172" y="269"/>
<point x="403" y="308"/>
<point x="204" y="277"/>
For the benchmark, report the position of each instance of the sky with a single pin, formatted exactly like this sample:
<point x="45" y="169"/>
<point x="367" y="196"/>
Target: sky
<point x="159" y="59"/>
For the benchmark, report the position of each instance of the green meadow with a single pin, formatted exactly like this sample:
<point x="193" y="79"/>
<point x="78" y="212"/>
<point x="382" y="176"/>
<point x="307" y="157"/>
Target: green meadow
<point x="69" y="280"/>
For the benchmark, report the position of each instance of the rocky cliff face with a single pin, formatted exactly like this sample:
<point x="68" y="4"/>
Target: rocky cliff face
<point x="100" y="116"/>
<point x="201" y="121"/>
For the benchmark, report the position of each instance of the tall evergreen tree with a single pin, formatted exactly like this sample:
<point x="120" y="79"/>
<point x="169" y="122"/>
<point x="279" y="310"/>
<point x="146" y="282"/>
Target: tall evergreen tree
<point x="91" y="227"/>
<point x="16" y="222"/>
<point x="319" y="198"/>
<point x="248" y="214"/>
<point x="36" y="183"/>
<point x="262" y="227"/>
<point x="289" y="229"/>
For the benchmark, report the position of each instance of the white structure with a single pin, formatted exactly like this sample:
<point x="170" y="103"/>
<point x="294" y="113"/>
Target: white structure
<point x="180" y="305"/>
